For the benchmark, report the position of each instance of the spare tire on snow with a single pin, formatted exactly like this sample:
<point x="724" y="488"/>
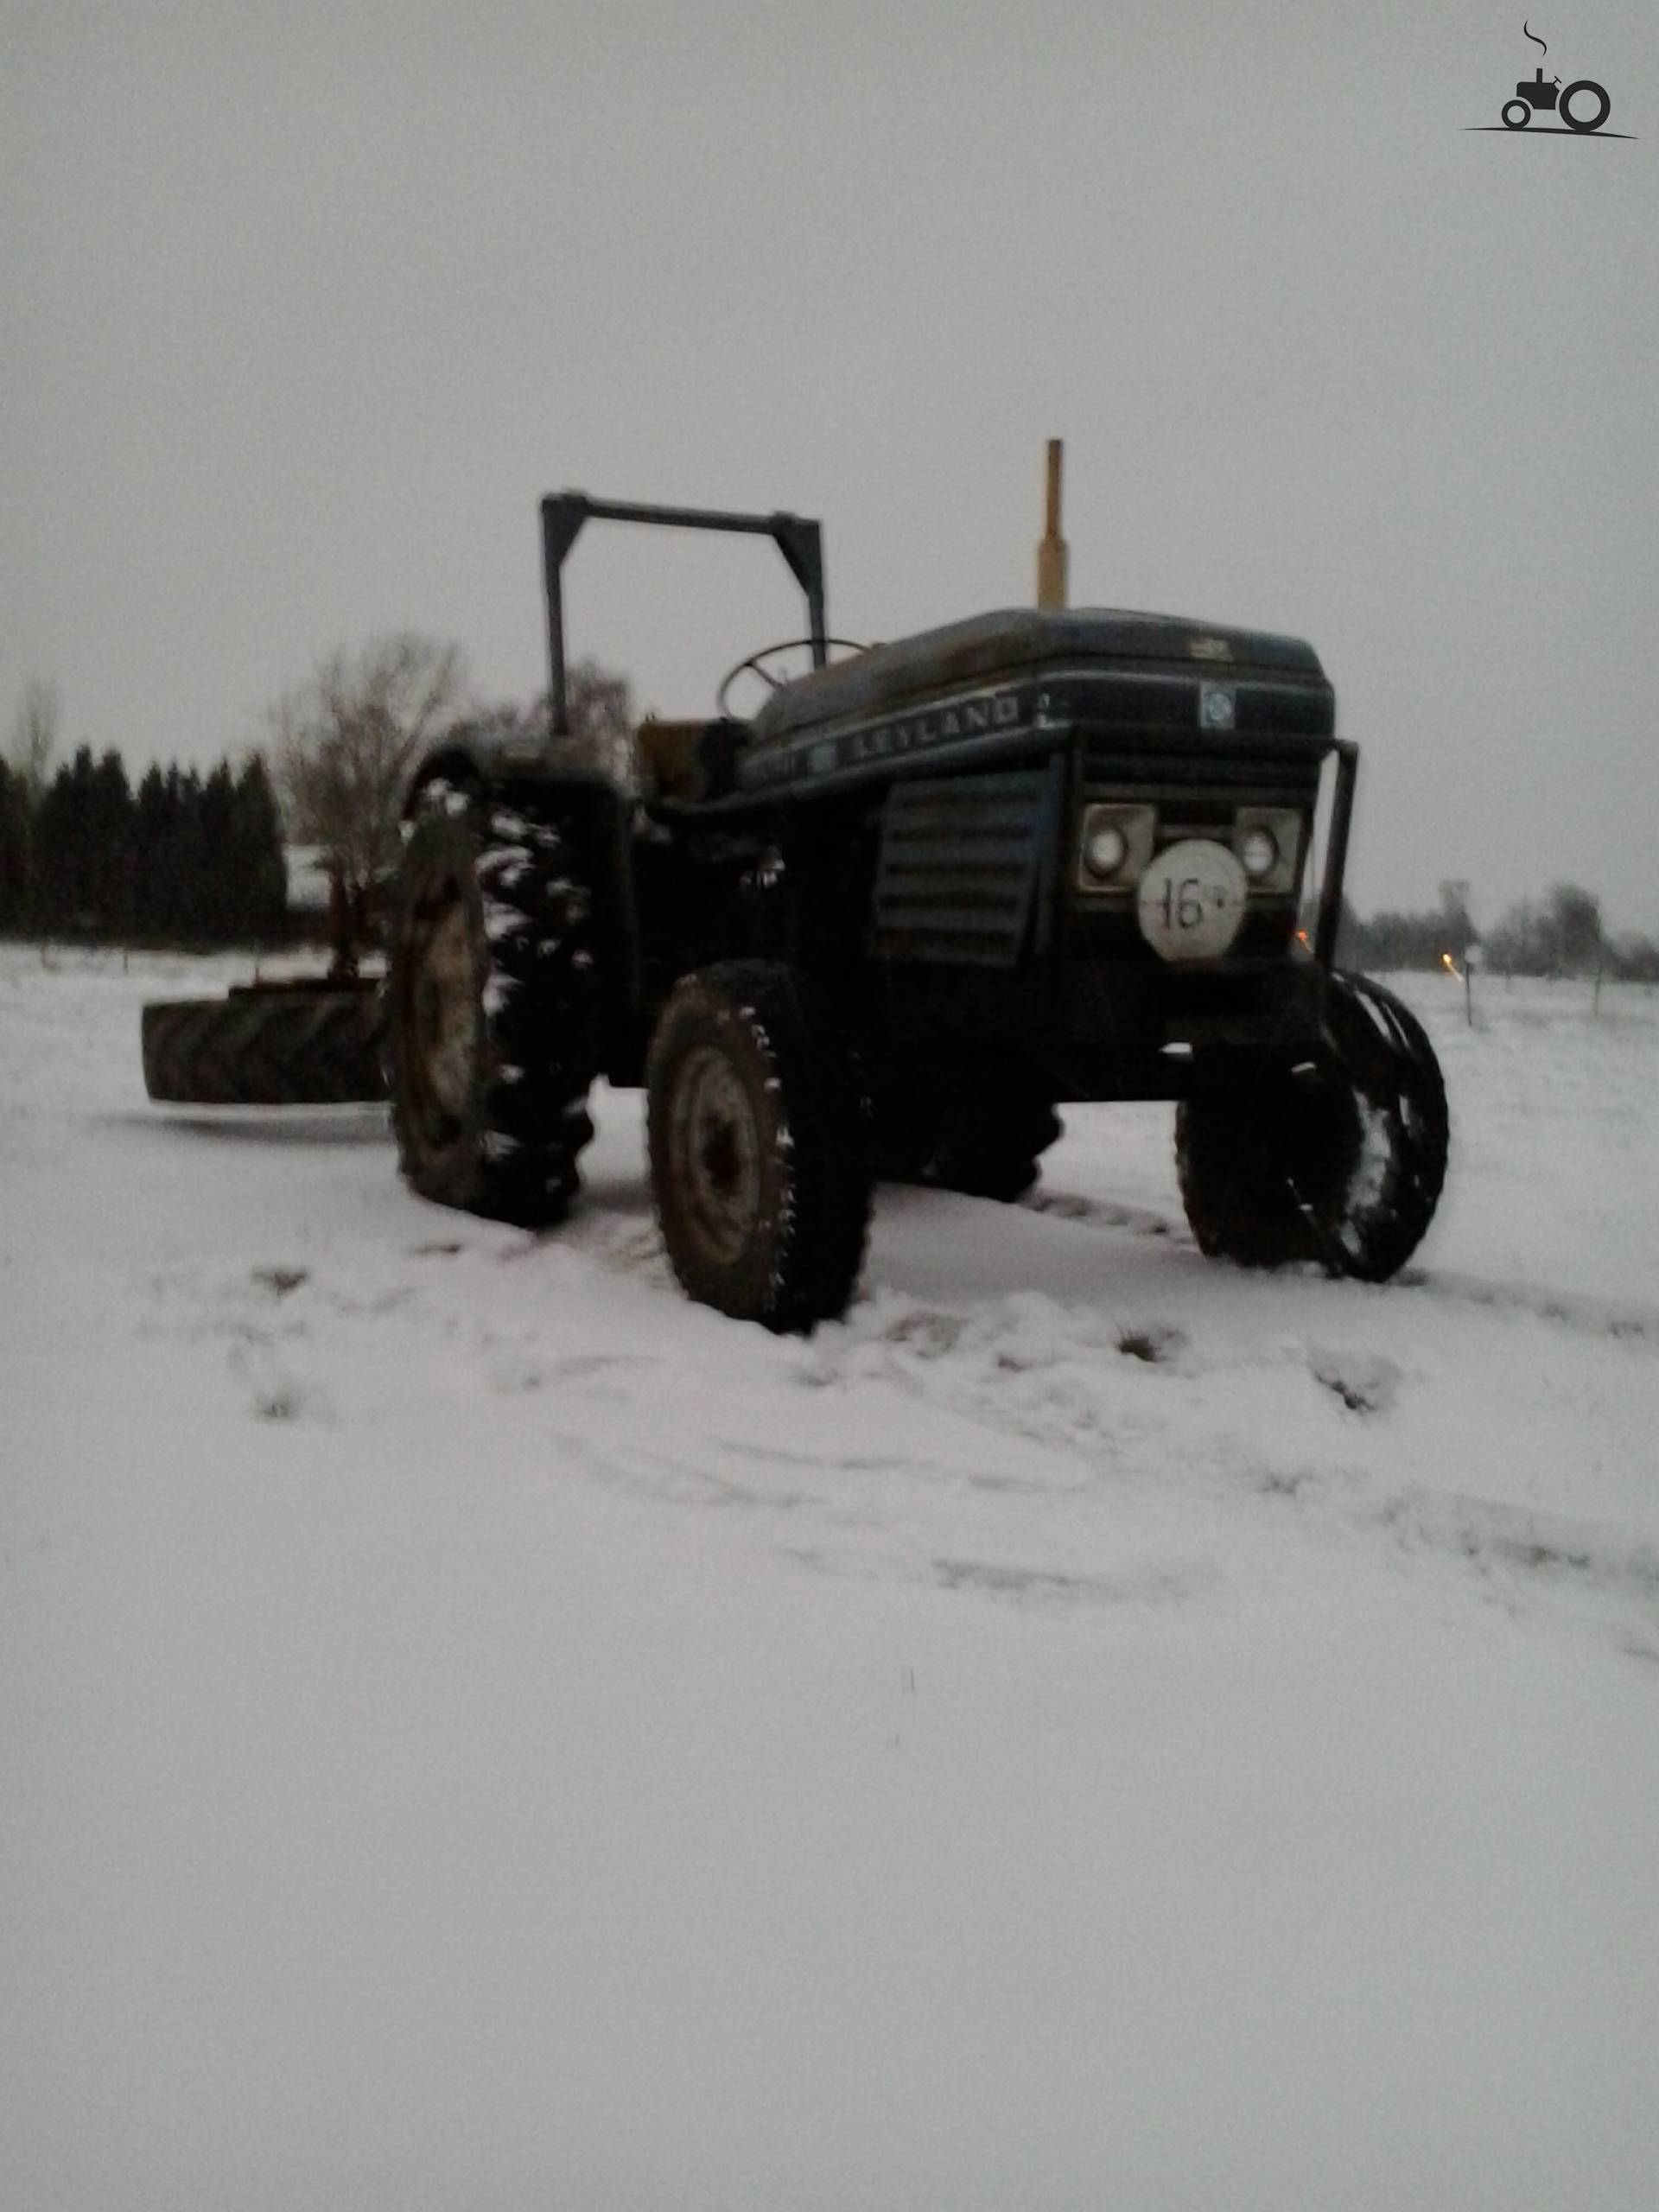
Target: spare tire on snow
<point x="309" y="1044"/>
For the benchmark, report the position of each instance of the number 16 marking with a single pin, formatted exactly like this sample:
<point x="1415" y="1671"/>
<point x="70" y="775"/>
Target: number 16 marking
<point x="1183" y="904"/>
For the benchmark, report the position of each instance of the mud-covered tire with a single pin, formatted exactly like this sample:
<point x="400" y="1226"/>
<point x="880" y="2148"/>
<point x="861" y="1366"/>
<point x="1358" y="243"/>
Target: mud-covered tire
<point x="986" y="1148"/>
<point x="759" y="1143"/>
<point x="492" y="1012"/>
<point x="280" y="1046"/>
<point x="1339" y="1160"/>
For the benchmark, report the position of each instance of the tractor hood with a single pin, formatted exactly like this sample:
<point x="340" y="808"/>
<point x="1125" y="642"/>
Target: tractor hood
<point x="1018" y="641"/>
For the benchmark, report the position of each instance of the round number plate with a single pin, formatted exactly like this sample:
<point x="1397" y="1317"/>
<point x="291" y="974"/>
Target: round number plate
<point x="1192" y="900"/>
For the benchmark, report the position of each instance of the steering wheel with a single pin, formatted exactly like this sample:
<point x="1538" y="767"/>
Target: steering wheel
<point x="756" y="665"/>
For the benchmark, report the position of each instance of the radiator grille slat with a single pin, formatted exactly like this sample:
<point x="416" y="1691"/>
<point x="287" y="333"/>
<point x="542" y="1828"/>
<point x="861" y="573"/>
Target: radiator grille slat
<point x="1295" y="774"/>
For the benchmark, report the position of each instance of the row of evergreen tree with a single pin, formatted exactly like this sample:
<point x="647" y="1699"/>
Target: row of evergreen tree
<point x="184" y="859"/>
<point x="195" y="860"/>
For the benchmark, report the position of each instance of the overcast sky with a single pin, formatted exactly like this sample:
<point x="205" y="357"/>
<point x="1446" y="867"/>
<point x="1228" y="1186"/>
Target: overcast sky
<point x="303" y="307"/>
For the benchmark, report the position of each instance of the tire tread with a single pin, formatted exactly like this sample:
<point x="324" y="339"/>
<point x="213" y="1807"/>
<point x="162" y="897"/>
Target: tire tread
<point x="255" y="1048"/>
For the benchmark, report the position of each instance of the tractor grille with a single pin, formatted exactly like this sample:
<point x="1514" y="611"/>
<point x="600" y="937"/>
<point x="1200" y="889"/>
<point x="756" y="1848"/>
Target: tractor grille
<point x="958" y="866"/>
<point x="1270" y="778"/>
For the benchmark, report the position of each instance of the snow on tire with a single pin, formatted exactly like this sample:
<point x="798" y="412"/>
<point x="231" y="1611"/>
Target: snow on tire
<point x="492" y="1013"/>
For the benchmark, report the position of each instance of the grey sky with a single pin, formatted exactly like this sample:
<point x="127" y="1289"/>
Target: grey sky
<point x="301" y="307"/>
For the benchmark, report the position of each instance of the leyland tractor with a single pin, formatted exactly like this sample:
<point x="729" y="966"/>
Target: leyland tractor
<point x="884" y="923"/>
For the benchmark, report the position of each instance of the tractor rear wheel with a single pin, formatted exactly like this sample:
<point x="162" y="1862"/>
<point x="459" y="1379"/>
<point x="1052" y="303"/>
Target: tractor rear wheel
<point x="266" y="1045"/>
<point x="492" y="1032"/>
<point x="985" y="1147"/>
<point x="759" y="1147"/>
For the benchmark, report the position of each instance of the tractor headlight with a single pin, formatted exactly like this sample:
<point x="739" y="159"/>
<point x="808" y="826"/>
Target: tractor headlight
<point x="1268" y="842"/>
<point x="1258" y="851"/>
<point x="1105" y="849"/>
<point x="1114" y="842"/>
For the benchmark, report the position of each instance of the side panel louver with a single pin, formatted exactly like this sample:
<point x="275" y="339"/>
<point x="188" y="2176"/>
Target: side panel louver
<point x="960" y="860"/>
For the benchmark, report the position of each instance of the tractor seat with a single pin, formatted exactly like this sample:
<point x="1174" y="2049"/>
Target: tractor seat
<point x="688" y="761"/>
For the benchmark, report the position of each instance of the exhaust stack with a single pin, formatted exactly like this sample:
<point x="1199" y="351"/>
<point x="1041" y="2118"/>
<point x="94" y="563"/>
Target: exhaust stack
<point x="1051" y="558"/>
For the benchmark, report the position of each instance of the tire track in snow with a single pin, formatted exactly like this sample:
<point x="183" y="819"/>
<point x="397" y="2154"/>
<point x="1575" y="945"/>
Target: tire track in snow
<point x="1624" y="1319"/>
<point x="1133" y="1404"/>
<point x="1027" y="1367"/>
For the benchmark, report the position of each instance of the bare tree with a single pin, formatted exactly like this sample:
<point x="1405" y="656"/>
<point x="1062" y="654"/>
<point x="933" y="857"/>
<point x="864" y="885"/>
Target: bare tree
<point x="1458" y="926"/>
<point x="1562" y="937"/>
<point x="599" y="705"/>
<point x="34" y="736"/>
<point x="344" y="744"/>
<point x="1573" y="917"/>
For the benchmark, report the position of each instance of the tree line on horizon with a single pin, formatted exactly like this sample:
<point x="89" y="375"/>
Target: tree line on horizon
<point x="1560" y="934"/>
<point x="188" y="859"/>
<point x="182" y="859"/>
<point x="185" y="859"/>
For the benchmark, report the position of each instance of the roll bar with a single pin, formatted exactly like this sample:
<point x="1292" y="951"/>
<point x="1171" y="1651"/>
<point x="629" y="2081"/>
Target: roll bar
<point x="799" y="541"/>
<point x="1336" y="853"/>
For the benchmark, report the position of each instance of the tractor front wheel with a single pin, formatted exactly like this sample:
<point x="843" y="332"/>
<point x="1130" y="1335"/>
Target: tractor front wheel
<point x="1339" y="1159"/>
<point x="758" y="1150"/>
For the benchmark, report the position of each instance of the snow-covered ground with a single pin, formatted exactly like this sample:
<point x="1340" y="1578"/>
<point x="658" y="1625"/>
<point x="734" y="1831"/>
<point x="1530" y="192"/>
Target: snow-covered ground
<point x="1096" y="1729"/>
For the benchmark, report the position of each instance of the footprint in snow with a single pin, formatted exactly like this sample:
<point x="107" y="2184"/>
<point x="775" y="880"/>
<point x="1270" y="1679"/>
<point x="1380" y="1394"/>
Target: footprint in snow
<point x="1046" y="1588"/>
<point x="593" y="1374"/>
<point x="1155" y="1342"/>
<point x="1365" y="1383"/>
<point x="280" y="1396"/>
